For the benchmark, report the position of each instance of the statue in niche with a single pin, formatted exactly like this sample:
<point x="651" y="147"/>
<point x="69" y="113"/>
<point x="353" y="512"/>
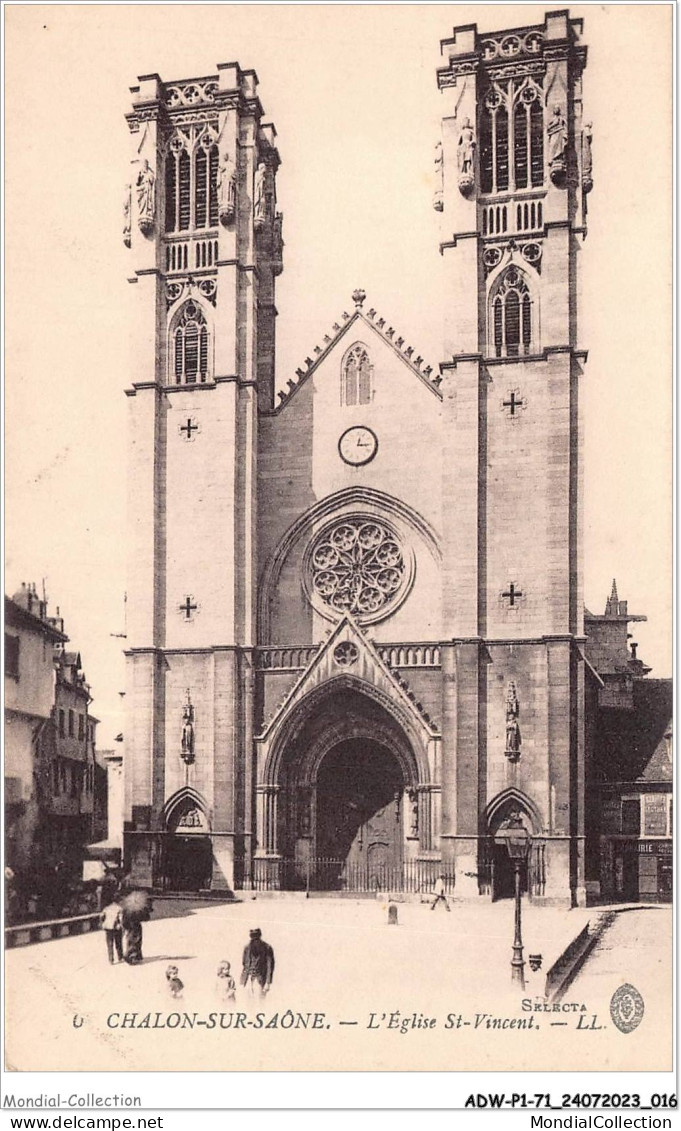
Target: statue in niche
<point x="513" y="738"/>
<point x="260" y="199"/>
<point x="278" y="243"/>
<point x="465" y="156"/>
<point x="188" y="732"/>
<point x="587" y="157"/>
<point x="439" y="178"/>
<point x="558" y="140"/>
<point x="127" y="206"/>
<point x="226" y="189"/>
<point x="466" y="149"/>
<point x="145" y="183"/>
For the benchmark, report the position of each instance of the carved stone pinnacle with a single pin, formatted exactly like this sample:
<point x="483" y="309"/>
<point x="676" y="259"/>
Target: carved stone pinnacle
<point x="358" y="298"/>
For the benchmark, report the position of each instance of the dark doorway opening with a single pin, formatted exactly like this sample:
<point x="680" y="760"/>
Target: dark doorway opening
<point x="503" y="874"/>
<point x="189" y="863"/>
<point x="359" y="825"/>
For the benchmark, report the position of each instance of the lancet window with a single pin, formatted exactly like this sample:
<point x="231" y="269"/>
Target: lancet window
<point x="190" y="346"/>
<point x="356" y="376"/>
<point x="191" y="180"/>
<point x="512" y="137"/>
<point x="511" y="315"/>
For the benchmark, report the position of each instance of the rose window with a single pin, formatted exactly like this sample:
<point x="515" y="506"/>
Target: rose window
<point x="357" y="566"/>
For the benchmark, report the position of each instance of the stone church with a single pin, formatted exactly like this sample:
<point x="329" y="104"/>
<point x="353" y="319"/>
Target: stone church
<point x="340" y="676"/>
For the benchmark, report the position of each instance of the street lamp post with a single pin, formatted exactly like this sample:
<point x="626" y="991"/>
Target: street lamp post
<point x="515" y="836"/>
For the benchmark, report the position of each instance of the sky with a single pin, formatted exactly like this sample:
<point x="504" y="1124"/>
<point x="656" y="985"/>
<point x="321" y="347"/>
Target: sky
<point x="352" y="93"/>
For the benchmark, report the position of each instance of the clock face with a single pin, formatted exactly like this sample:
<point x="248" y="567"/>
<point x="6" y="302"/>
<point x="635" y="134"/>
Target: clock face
<point x="358" y="445"/>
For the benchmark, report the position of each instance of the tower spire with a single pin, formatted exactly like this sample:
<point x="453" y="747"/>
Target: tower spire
<point x="612" y="605"/>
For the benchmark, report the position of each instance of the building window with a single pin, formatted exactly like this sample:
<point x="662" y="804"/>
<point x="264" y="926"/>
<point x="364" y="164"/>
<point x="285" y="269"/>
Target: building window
<point x="55" y="776"/>
<point x="62" y="777"/>
<point x="512" y="137"/>
<point x="511" y="314"/>
<point x="356" y="376"/>
<point x="191" y="180"/>
<point x="81" y="727"/>
<point x="62" y="730"/>
<point x="190" y="341"/>
<point x="12" y="656"/>
<point x="631" y="816"/>
<point x="72" y="724"/>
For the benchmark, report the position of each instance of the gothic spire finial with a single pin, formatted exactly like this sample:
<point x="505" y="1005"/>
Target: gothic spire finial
<point x="612" y="605"/>
<point x="358" y="298"/>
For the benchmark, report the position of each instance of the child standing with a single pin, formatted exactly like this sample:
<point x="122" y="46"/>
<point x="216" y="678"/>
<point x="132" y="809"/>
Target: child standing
<point x="226" y="986"/>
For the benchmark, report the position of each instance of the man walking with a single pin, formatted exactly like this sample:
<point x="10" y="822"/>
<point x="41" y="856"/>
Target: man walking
<point x="113" y="930"/>
<point x="439" y="893"/>
<point x="258" y="964"/>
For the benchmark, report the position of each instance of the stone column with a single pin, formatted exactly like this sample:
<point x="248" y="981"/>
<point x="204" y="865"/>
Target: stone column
<point x="260" y="819"/>
<point x="271" y="839"/>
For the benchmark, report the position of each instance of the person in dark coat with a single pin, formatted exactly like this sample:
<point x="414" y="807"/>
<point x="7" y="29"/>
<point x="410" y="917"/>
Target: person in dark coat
<point x="258" y="964"/>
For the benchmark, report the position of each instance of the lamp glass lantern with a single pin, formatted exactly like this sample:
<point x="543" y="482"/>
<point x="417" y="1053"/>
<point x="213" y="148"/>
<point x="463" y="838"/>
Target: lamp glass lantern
<point x="517" y="839"/>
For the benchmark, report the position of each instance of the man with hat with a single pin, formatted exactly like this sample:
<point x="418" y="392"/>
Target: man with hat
<point x="258" y="964"/>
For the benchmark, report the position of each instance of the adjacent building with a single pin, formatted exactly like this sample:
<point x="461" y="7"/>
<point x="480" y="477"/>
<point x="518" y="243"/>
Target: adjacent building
<point x="30" y="642"/>
<point x="629" y="764"/>
<point x="50" y="739"/>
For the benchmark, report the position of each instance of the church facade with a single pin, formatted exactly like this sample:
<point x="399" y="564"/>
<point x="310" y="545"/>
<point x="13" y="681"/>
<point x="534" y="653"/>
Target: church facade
<point x="355" y="617"/>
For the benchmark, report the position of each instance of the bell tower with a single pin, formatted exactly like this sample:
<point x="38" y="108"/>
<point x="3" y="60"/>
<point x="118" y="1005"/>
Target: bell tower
<point x="514" y="168"/>
<point x="204" y="235"/>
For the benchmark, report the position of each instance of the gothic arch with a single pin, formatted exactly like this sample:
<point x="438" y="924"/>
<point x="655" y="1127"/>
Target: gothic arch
<point x="181" y="801"/>
<point x="409" y="747"/>
<point x="513" y="326"/>
<point x="357" y="385"/>
<point x="507" y="800"/>
<point x="370" y="501"/>
<point x="190" y="346"/>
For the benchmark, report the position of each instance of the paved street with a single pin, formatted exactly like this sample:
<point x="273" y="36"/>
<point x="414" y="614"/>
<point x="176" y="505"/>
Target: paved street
<point x="636" y="948"/>
<point x="339" y="958"/>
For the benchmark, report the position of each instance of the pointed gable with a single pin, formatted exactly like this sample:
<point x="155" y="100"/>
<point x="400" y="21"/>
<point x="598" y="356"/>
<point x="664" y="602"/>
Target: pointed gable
<point x="348" y="651"/>
<point x="365" y="327"/>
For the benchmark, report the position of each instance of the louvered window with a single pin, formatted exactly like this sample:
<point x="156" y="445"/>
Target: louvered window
<point x="171" y="189"/>
<point x="512" y="137"/>
<point x="191" y="175"/>
<point x="190" y="340"/>
<point x="201" y="187"/>
<point x="184" y="192"/>
<point x="511" y="315"/>
<point x="213" y="187"/>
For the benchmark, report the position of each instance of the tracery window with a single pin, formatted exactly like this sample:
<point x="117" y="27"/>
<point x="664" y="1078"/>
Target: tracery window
<point x="512" y="137"/>
<point x="511" y="314"/>
<point x="189" y="342"/>
<point x="357" y="565"/>
<point x="191" y="180"/>
<point x="356" y="376"/>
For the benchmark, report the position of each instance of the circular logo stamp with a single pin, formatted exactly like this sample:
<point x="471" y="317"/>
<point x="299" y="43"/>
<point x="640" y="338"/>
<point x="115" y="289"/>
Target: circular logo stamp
<point x="626" y="1008"/>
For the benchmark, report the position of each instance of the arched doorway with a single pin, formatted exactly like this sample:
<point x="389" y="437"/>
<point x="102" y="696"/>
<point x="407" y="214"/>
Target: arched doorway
<point x="511" y="804"/>
<point x="359" y="820"/>
<point x="188" y="850"/>
<point x="346" y="801"/>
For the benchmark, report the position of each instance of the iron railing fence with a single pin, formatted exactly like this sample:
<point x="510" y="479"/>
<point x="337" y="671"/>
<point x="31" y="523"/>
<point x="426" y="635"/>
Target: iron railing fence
<point x="330" y="874"/>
